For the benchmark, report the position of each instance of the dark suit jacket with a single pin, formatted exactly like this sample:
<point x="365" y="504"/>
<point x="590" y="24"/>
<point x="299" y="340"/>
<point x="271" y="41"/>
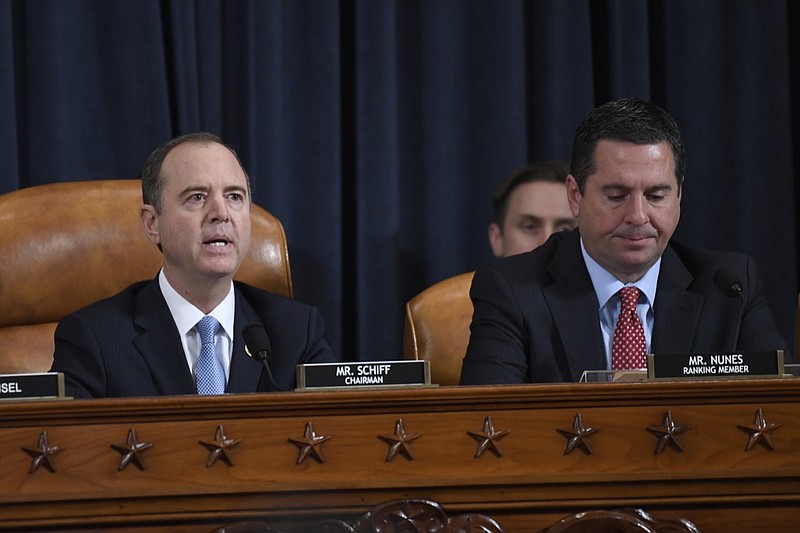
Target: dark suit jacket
<point x="129" y="345"/>
<point x="536" y="314"/>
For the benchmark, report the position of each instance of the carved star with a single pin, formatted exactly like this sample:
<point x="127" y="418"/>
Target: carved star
<point x="43" y="455"/>
<point x="220" y="447"/>
<point x="132" y="451"/>
<point x="760" y="432"/>
<point x="399" y="442"/>
<point x="488" y="438"/>
<point x="578" y="436"/>
<point x="668" y="433"/>
<point x="310" y="444"/>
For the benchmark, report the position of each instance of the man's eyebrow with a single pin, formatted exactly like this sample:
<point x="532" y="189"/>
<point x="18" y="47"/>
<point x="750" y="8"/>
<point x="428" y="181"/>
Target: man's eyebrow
<point x="615" y="187"/>
<point x="191" y="189"/>
<point x="194" y="188"/>
<point x="620" y="187"/>
<point x="660" y="188"/>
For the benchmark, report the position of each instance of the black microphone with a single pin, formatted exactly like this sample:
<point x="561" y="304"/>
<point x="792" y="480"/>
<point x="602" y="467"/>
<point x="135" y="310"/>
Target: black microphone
<point x="258" y="347"/>
<point x="728" y="282"/>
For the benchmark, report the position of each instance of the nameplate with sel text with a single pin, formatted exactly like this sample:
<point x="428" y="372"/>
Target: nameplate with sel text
<point x="371" y="374"/>
<point x="31" y="386"/>
<point x="715" y="365"/>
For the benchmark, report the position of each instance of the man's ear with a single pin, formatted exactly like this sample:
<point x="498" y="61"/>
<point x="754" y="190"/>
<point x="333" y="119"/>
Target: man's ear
<point x="496" y="239"/>
<point x="149" y="219"/>
<point x="573" y="196"/>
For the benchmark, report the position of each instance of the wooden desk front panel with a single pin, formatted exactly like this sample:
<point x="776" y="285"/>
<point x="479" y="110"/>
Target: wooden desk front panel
<point x="528" y="484"/>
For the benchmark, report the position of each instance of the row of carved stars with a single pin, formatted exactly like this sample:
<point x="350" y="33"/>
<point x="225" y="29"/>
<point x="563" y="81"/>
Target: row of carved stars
<point x="310" y="444"/>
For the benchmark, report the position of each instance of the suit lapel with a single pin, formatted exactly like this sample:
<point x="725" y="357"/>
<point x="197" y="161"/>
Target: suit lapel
<point x="573" y="304"/>
<point x="245" y="372"/>
<point x="574" y="307"/>
<point x="677" y="310"/>
<point x="159" y="343"/>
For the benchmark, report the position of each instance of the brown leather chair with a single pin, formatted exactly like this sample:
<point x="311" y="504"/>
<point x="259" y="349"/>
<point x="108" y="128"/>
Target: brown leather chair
<point x="437" y="327"/>
<point x="66" y="245"/>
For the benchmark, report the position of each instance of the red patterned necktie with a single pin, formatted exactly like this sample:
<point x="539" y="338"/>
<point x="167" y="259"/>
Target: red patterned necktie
<point x="629" y="346"/>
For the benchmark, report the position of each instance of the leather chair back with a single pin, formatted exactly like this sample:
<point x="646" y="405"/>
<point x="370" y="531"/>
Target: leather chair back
<point x="66" y="245"/>
<point x="437" y="327"/>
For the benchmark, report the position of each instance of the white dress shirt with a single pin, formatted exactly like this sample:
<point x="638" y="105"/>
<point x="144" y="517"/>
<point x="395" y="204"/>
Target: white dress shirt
<point x="606" y="286"/>
<point x="186" y="317"/>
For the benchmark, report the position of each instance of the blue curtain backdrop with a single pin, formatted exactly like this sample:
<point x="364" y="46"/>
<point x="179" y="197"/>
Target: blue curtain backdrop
<point x="376" y="130"/>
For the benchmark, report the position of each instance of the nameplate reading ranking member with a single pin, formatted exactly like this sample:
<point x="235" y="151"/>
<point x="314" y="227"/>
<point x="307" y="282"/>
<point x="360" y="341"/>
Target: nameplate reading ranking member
<point x="715" y="365"/>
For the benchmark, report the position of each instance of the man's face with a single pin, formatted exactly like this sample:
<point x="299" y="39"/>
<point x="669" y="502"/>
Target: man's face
<point x="204" y="224"/>
<point x="535" y="211"/>
<point x="630" y="207"/>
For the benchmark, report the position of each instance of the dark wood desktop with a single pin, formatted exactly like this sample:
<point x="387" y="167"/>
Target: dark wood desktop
<point x="725" y="455"/>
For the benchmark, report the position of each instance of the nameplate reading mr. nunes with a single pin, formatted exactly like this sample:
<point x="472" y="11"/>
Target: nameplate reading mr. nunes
<point x="372" y="374"/>
<point x="715" y="365"/>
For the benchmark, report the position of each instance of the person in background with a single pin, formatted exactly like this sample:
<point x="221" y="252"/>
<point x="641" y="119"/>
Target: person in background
<point x="618" y="287"/>
<point x="182" y="332"/>
<point x="530" y="206"/>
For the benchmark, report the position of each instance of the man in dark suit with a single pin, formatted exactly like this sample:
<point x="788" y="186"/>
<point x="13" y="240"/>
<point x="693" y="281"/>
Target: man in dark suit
<point x="550" y="314"/>
<point x="146" y="340"/>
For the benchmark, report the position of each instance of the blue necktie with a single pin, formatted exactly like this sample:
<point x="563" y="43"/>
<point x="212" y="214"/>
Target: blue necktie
<point x="208" y="372"/>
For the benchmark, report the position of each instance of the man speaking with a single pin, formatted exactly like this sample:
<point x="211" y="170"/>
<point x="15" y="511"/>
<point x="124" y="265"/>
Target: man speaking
<point x="184" y="331"/>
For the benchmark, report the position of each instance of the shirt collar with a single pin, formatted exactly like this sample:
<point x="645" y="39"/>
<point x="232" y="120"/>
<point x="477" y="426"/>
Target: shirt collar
<point x="606" y="285"/>
<point x="186" y="315"/>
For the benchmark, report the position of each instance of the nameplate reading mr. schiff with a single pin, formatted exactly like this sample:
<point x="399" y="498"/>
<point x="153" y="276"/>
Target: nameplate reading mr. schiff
<point x="31" y="386"/>
<point x="352" y="375"/>
<point x="715" y="365"/>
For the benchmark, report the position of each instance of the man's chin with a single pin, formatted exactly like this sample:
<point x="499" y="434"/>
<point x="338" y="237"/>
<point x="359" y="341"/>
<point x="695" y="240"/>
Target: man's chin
<point x="636" y="264"/>
<point x="220" y="269"/>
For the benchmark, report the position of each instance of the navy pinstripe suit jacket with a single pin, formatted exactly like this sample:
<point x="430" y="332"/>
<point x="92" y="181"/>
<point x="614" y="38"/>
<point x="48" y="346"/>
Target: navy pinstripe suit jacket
<point x="536" y="314"/>
<point x="129" y="345"/>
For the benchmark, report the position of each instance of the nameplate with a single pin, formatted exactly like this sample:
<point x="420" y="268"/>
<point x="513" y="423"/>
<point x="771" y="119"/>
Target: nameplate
<point x="715" y="365"/>
<point x="31" y="386"/>
<point x="372" y="374"/>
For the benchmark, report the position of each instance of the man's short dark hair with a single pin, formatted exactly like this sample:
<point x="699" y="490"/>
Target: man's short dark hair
<point x="628" y="120"/>
<point x="152" y="182"/>
<point x="549" y="171"/>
